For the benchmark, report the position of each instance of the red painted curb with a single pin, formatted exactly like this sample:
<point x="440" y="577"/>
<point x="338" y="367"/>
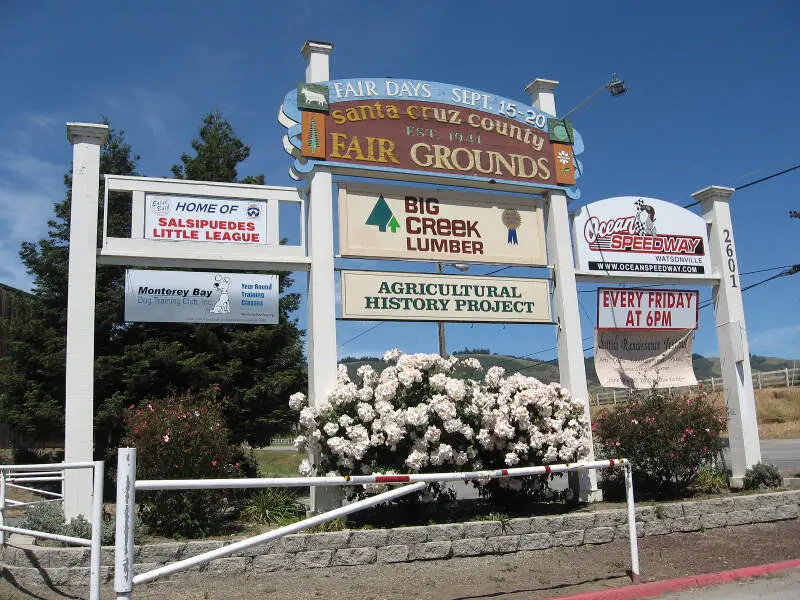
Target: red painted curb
<point x="656" y="588"/>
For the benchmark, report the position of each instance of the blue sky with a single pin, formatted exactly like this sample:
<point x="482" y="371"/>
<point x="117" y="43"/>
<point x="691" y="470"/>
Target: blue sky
<point x="712" y="101"/>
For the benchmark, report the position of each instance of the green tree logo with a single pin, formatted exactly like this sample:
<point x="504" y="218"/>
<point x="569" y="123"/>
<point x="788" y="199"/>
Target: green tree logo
<point x="313" y="136"/>
<point x="382" y="216"/>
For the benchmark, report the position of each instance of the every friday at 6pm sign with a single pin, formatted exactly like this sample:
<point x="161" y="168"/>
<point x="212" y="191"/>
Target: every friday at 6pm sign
<point x="427" y="224"/>
<point x="420" y="297"/>
<point x="194" y="297"/>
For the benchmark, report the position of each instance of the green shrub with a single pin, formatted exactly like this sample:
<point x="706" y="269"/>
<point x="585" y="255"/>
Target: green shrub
<point x="762" y="475"/>
<point x="711" y="480"/>
<point x="668" y="440"/>
<point x="274" y="506"/>
<point x="49" y="518"/>
<point x="183" y="438"/>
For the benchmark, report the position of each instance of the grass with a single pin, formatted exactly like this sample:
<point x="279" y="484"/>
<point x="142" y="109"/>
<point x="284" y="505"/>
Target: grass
<point x="275" y="463"/>
<point x="778" y="411"/>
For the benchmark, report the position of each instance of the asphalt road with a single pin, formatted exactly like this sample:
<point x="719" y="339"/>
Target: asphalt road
<point x="782" y="586"/>
<point x="784" y="454"/>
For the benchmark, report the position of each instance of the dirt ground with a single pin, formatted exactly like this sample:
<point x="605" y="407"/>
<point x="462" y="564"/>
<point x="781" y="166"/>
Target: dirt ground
<point x="528" y="575"/>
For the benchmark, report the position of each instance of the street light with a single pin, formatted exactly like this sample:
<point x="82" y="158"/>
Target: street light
<point x="440" y="270"/>
<point x="616" y="87"/>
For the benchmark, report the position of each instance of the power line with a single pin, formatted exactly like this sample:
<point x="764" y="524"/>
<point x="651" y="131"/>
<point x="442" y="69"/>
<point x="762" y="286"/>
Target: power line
<point x="358" y="335"/>
<point x="757" y="181"/>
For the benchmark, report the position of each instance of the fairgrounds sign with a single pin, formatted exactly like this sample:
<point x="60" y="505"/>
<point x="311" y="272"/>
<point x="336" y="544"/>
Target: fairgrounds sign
<point x="405" y="129"/>
<point x="420" y="297"/>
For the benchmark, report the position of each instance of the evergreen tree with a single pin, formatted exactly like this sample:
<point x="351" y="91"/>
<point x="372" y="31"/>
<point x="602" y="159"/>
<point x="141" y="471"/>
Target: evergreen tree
<point x="33" y="375"/>
<point x="255" y="368"/>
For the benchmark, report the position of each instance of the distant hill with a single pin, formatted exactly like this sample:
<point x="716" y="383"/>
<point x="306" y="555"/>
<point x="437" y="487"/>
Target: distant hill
<point x="547" y="371"/>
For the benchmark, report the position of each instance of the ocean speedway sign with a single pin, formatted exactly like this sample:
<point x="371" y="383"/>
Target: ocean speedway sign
<point x="630" y="308"/>
<point x="200" y="297"/>
<point x="414" y="130"/>
<point x="420" y="297"/>
<point x="632" y="235"/>
<point x="186" y="218"/>
<point x="428" y="224"/>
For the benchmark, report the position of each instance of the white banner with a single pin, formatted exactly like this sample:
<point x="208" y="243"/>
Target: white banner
<point x="630" y="308"/>
<point x="642" y="360"/>
<point x="422" y="297"/>
<point x="635" y="236"/>
<point x="187" y="218"/>
<point x="200" y="297"/>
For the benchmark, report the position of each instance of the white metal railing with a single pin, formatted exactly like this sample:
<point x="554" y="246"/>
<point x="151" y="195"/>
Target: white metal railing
<point x="13" y="476"/>
<point x="127" y="485"/>
<point x="761" y="379"/>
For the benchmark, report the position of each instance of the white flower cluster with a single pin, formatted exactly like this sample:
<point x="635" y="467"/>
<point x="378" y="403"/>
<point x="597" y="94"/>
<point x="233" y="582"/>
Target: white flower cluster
<point x="415" y="416"/>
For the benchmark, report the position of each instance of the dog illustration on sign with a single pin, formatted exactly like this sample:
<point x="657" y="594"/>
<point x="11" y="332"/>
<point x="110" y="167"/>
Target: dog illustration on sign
<point x="222" y="284"/>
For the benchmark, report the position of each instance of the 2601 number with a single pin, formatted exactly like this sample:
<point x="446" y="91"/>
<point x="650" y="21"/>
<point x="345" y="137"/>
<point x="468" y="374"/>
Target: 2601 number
<point x="730" y="254"/>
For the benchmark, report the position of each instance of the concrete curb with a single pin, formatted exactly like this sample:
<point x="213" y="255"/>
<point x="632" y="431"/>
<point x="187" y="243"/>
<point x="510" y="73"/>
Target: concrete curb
<point x="657" y="588"/>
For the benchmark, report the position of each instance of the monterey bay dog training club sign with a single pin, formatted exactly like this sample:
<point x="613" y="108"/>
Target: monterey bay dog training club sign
<point x="634" y="236"/>
<point x="421" y="297"/>
<point x="415" y="130"/>
<point x="200" y="297"/>
<point x="186" y="218"/>
<point x="428" y="224"/>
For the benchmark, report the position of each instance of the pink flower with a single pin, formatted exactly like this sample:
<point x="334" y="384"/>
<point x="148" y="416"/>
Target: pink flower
<point x="213" y="463"/>
<point x="131" y="407"/>
<point x="238" y="466"/>
<point x="165" y="438"/>
<point x="216" y="387"/>
<point x="150" y="407"/>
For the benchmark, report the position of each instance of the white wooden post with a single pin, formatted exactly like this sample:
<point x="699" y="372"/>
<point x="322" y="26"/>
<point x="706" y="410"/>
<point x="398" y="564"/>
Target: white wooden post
<point x="86" y="139"/>
<point x="712" y="384"/>
<point x="786" y="370"/>
<point x="572" y="371"/>
<point x="322" y="355"/>
<point x="734" y="352"/>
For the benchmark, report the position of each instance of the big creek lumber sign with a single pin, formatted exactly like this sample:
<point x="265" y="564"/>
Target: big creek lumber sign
<point x="410" y="129"/>
<point x="428" y="224"/>
<point x="632" y="235"/>
<point x="421" y="297"/>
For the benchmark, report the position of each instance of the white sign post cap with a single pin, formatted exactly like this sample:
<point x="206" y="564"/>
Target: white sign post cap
<point x="316" y="47"/>
<point x="535" y="87"/>
<point x="714" y="192"/>
<point x="87" y="132"/>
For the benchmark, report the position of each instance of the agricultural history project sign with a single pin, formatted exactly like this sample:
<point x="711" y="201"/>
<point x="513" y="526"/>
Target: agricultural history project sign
<point x="428" y="224"/>
<point x="633" y="236"/>
<point x="420" y="297"/>
<point x="200" y="297"/>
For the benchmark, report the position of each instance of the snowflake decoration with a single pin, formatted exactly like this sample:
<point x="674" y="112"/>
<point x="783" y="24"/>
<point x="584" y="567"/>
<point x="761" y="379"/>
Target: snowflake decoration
<point x="563" y="157"/>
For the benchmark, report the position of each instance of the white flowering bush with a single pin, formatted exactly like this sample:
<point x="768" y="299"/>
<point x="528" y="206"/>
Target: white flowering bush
<point x="415" y="416"/>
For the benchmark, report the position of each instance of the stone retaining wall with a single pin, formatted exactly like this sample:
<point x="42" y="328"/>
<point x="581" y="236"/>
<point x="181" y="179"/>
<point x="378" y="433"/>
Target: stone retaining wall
<point x="59" y="566"/>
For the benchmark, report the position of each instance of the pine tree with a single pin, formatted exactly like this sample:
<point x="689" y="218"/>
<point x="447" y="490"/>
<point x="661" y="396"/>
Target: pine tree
<point x="32" y="375"/>
<point x="256" y="368"/>
<point x="313" y="136"/>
